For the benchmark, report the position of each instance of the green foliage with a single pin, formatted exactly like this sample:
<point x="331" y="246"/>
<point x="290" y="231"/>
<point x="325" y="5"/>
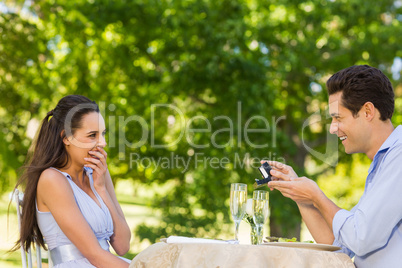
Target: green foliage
<point x="346" y="185"/>
<point x="233" y="59"/>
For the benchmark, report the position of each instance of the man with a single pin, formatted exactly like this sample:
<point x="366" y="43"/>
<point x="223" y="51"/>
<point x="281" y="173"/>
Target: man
<point x="361" y="104"/>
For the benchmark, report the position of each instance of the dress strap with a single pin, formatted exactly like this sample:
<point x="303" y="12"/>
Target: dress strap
<point x="70" y="252"/>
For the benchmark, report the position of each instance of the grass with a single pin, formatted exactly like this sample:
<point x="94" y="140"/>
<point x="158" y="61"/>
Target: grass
<point x="10" y="260"/>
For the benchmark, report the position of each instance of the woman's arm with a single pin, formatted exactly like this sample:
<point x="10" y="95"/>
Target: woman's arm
<point x="55" y="194"/>
<point x="120" y="240"/>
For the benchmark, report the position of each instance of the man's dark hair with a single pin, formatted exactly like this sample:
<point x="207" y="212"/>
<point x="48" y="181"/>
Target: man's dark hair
<point x="360" y="84"/>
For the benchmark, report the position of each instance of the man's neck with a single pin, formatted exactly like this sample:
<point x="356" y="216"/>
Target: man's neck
<point x="380" y="135"/>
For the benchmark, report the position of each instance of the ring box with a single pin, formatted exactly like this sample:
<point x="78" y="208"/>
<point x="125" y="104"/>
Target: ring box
<point x="265" y="172"/>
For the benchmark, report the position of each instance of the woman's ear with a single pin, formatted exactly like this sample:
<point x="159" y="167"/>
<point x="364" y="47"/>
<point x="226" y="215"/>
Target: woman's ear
<point x="66" y="141"/>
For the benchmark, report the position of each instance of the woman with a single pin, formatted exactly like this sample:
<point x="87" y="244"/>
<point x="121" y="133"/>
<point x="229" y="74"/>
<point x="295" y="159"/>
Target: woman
<point x="69" y="198"/>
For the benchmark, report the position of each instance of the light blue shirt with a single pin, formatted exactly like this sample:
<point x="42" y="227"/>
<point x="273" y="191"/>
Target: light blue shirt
<point x="372" y="230"/>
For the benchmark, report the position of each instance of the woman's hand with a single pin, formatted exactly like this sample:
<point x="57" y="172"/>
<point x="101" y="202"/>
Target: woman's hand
<point x="98" y="163"/>
<point x="120" y="240"/>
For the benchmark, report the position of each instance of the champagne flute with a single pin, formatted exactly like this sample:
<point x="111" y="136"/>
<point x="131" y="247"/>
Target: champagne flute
<point x="260" y="194"/>
<point x="238" y="203"/>
<point x="260" y="211"/>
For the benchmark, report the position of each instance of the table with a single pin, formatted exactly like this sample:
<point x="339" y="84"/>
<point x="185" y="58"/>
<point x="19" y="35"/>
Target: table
<point x="164" y="255"/>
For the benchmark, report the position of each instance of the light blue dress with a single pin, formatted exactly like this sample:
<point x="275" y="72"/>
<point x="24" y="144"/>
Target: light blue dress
<point x="98" y="218"/>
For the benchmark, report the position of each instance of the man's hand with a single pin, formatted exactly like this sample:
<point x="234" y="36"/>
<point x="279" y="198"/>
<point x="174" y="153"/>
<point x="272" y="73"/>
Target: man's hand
<point x="300" y="189"/>
<point x="316" y="209"/>
<point x="284" y="169"/>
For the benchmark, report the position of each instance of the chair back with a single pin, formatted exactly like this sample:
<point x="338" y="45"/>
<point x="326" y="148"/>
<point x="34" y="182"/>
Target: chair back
<point x="26" y="256"/>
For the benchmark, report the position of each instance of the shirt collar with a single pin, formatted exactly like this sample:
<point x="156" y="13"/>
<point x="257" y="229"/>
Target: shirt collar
<point x="389" y="142"/>
<point x="392" y="139"/>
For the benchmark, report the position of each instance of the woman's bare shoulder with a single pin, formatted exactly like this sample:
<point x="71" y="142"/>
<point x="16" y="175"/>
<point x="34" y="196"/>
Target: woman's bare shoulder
<point x="51" y="178"/>
<point x="53" y="188"/>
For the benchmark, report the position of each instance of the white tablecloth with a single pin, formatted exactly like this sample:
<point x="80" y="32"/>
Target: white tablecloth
<point x="185" y="255"/>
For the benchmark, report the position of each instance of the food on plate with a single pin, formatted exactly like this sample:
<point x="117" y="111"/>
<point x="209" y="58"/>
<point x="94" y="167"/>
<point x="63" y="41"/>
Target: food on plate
<point x="283" y="239"/>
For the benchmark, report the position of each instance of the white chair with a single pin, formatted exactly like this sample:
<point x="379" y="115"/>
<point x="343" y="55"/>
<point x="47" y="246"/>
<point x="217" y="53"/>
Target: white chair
<point x="18" y="198"/>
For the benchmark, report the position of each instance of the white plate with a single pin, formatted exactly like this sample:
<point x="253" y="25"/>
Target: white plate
<point x="303" y="245"/>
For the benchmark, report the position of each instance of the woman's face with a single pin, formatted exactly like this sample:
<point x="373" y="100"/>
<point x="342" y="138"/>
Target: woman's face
<point x="89" y="137"/>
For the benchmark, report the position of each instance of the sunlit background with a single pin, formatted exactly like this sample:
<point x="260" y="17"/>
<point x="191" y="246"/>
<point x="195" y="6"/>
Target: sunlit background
<point x="187" y="82"/>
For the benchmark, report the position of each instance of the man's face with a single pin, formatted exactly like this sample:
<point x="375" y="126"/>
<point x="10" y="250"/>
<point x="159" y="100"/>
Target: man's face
<point x="350" y="129"/>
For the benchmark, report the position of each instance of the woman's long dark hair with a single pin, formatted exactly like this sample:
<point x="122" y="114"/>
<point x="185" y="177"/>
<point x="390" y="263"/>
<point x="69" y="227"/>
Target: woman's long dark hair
<point x="47" y="151"/>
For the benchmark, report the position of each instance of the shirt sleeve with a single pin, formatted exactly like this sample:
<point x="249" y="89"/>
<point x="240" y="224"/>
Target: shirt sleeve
<point x="339" y="219"/>
<point x="370" y="225"/>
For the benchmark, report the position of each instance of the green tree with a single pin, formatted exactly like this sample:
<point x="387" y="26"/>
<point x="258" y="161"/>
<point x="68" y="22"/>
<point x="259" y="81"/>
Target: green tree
<point x="220" y="63"/>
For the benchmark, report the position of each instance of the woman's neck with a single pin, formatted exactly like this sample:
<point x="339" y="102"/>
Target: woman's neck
<point x="76" y="173"/>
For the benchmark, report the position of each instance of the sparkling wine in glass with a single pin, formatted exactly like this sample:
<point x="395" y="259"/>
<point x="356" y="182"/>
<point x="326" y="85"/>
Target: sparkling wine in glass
<point x="260" y="211"/>
<point x="260" y="194"/>
<point x="238" y="203"/>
